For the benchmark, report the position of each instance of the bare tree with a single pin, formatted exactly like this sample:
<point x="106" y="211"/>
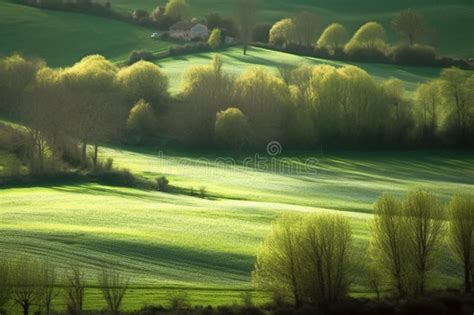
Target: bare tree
<point x="305" y="28"/>
<point x="47" y="288"/>
<point x="461" y="234"/>
<point x="245" y="17"/>
<point x="113" y="287"/>
<point x="25" y="282"/>
<point x="410" y="24"/>
<point x="74" y="289"/>
<point x="5" y="282"/>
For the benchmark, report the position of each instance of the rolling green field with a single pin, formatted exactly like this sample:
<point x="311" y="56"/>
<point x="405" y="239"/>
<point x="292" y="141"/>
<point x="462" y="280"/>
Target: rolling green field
<point x="235" y="62"/>
<point x="64" y="38"/>
<point x="167" y="241"/>
<point x="450" y="20"/>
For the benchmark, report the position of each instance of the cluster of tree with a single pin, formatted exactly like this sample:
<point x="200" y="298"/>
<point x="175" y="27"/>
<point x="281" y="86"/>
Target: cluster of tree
<point x="33" y="283"/>
<point x="300" y="34"/>
<point x="66" y="110"/>
<point x="160" y="18"/>
<point x="306" y="107"/>
<point x="310" y="259"/>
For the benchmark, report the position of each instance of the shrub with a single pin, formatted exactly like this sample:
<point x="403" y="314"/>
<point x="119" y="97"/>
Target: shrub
<point x="138" y="55"/>
<point x="416" y="55"/>
<point x="144" y="80"/>
<point x="202" y="192"/>
<point x="162" y="183"/>
<point x="141" y="122"/>
<point x="116" y="177"/>
<point x="232" y="128"/>
<point x="367" y="54"/>
<point x="177" y="300"/>
<point x="423" y="306"/>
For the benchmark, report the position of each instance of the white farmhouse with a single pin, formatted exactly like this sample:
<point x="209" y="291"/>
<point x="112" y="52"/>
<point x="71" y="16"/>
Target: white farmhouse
<point x="189" y="30"/>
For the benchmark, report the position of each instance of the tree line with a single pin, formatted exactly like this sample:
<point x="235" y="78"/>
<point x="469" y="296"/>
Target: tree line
<point x="36" y="284"/>
<point x="302" y="34"/>
<point x="68" y="112"/>
<point x="311" y="259"/>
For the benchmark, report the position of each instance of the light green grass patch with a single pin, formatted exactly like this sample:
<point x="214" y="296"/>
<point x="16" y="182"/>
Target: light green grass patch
<point x="235" y="62"/>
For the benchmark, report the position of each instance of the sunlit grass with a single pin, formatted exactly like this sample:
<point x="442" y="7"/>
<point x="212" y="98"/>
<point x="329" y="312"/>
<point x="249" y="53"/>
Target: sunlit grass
<point x="164" y="241"/>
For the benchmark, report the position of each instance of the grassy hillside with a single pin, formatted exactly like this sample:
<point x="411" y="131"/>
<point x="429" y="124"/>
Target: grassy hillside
<point x="63" y="38"/>
<point x="451" y="20"/>
<point x="164" y="241"/>
<point x="235" y="62"/>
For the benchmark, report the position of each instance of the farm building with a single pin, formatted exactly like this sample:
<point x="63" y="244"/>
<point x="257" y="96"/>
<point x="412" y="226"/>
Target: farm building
<point x="189" y="30"/>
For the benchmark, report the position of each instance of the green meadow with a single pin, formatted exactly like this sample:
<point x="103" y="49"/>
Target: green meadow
<point x="165" y="242"/>
<point x="64" y="38"/>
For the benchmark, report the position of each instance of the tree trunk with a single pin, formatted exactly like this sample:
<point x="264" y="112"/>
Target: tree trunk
<point x="245" y="48"/>
<point x="96" y="151"/>
<point x="467" y="279"/>
<point x="84" y="150"/>
<point x="26" y="308"/>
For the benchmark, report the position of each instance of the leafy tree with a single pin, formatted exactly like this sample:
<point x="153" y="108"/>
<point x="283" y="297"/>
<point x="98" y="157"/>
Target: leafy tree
<point x="333" y="37"/>
<point x="304" y="29"/>
<point x="308" y="258"/>
<point x="264" y="99"/>
<point x="144" y="80"/>
<point x="410" y="24"/>
<point x="16" y="73"/>
<point x="370" y="36"/>
<point x="427" y="107"/>
<point x="328" y="253"/>
<point x="389" y="242"/>
<point x="279" y="260"/>
<point x="406" y="239"/>
<point x="280" y="32"/>
<point x="91" y="88"/>
<point x="226" y="25"/>
<point x="206" y="89"/>
<point x="457" y="88"/>
<point x="177" y="9"/>
<point x="245" y="18"/>
<point x="461" y="234"/>
<point x="141" y="120"/>
<point x="424" y="221"/>
<point x="232" y="128"/>
<point x="261" y="32"/>
<point x="46" y="117"/>
<point x="215" y="38"/>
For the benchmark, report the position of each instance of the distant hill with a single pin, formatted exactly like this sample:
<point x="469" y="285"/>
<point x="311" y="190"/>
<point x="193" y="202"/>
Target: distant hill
<point x="63" y="38"/>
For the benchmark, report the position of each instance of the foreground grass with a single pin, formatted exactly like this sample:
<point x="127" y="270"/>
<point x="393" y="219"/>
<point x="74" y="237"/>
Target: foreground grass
<point x="64" y="38"/>
<point x="451" y="20"/>
<point x="235" y="62"/>
<point x="208" y="246"/>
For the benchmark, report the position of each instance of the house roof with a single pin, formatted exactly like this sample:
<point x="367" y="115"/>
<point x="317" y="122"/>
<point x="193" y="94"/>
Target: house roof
<point x="182" y="26"/>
